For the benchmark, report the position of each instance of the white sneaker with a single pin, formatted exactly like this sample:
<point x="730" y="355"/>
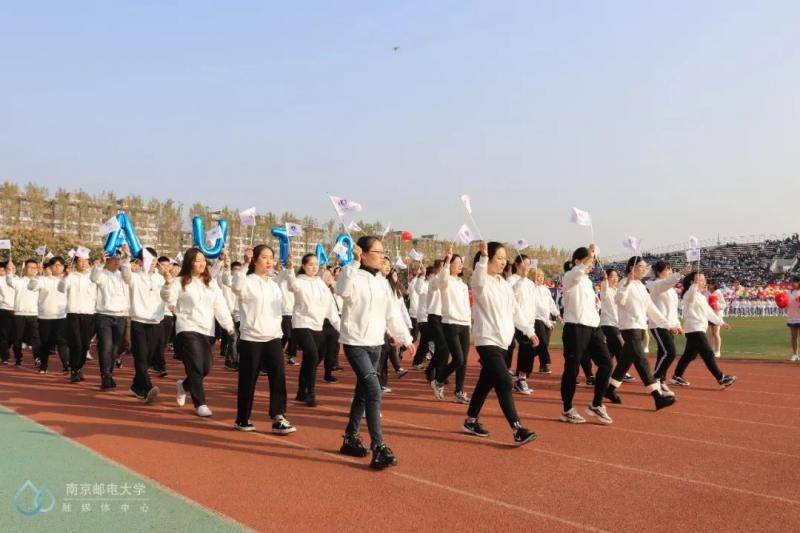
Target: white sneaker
<point x="462" y="398"/>
<point x="521" y="386"/>
<point x="717" y="355"/>
<point x="204" y="411"/>
<point x="180" y="396"/>
<point x="600" y="412"/>
<point x="572" y="417"/>
<point x="794" y="358"/>
<point x="89" y="355"/>
<point x="438" y="390"/>
<point x="665" y="391"/>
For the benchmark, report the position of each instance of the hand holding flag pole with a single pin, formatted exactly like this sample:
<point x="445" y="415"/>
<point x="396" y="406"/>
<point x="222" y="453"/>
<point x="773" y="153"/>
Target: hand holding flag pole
<point x="468" y="206"/>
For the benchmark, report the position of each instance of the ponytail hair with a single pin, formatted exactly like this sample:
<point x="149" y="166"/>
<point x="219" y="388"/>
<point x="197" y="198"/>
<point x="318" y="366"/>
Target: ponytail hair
<point x="687" y="282"/>
<point x="521" y="258"/>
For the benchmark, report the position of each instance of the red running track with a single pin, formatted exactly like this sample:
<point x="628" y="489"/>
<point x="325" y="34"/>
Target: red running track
<point x="718" y="460"/>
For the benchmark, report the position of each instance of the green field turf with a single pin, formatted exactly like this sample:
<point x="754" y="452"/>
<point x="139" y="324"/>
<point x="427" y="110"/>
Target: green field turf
<point x="749" y="338"/>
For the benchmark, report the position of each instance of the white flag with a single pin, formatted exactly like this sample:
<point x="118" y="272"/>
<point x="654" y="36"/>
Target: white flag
<point x="5" y="244"/>
<point x="520" y="244"/>
<point x="49" y="256"/>
<point x="82" y="252"/>
<point x="112" y="224"/>
<point x="467" y="203"/>
<point x="294" y="230"/>
<point x="179" y="258"/>
<point x="71" y="253"/>
<point x="400" y="264"/>
<point x="343" y="205"/>
<point x="415" y="255"/>
<point x="580" y="217"/>
<point x="340" y="249"/>
<point x="386" y="230"/>
<point x="694" y="242"/>
<point x="147" y="259"/>
<point x="41" y="250"/>
<point x="213" y="234"/>
<point x="632" y="243"/>
<point x="248" y="217"/>
<point x="693" y="255"/>
<point x="353" y="227"/>
<point x="464" y="235"/>
<point x="534" y="264"/>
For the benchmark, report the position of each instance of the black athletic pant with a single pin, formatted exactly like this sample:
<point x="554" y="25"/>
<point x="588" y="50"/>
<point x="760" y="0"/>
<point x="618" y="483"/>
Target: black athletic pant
<point x="388" y="353"/>
<point x="525" y="354"/>
<point x="144" y="344"/>
<point x="424" y="339"/>
<point x="330" y="347"/>
<point x="633" y="353"/>
<point x="80" y="330"/>
<point x="26" y="329"/>
<point x="584" y="342"/>
<point x="6" y="332"/>
<point x="440" y="351"/>
<point x="458" y="343"/>
<point x="164" y="331"/>
<point x="414" y="329"/>
<point x="697" y="343"/>
<point x="494" y="375"/>
<point x="110" y="332"/>
<point x="613" y="341"/>
<point x="195" y="350"/>
<point x="666" y="352"/>
<point x="253" y="356"/>
<point x="310" y="342"/>
<point x="288" y="342"/>
<point x="509" y="357"/>
<point x="543" y="349"/>
<point x="53" y="335"/>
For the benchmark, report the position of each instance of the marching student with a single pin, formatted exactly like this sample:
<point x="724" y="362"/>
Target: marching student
<point x="696" y="316"/>
<point x="111" y="320"/>
<point x="546" y="308"/>
<point x="456" y="319"/>
<point x="793" y="316"/>
<point x="52" y="315"/>
<point x="496" y="315"/>
<point x="714" y="334"/>
<point x="368" y="313"/>
<point x="389" y="351"/>
<point x="665" y="298"/>
<point x="330" y="332"/>
<point x="157" y="361"/>
<point x="512" y="278"/>
<point x="198" y="301"/>
<point x="312" y="305"/>
<point x="288" y="342"/>
<point x="81" y="294"/>
<point x="609" y="317"/>
<point x="526" y="295"/>
<point x="440" y="352"/>
<point x="26" y="308"/>
<point x="421" y="288"/>
<point x="260" y="313"/>
<point x="582" y="336"/>
<point x="228" y="346"/>
<point x="6" y="315"/>
<point x="146" y="312"/>
<point x="416" y="274"/>
<point x="635" y="307"/>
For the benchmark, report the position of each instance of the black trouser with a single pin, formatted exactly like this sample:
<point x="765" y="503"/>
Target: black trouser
<point x="163" y="333"/>
<point x="613" y="341"/>
<point x="525" y="354"/>
<point x="6" y="332"/>
<point x="458" y="343"/>
<point x="53" y="333"/>
<point x="227" y="344"/>
<point x="494" y="375"/>
<point x="388" y="353"/>
<point x="80" y="330"/>
<point x="584" y="342"/>
<point x="440" y="352"/>
<point x="666" y="352"/>
<point x="697" y="343"/>
<point x="26" y="329"/>
<point x="288" y="342"/>
<point x="253" y="356"/>
<point x="310" y="342"/>
<point x="414" y="329"/>
<point x="633" y="353"/>
<point x="509" y="356"/>
<point x="424" y="339"/>
<point x="144" y="344"/>
<point x="330" y="347"/>
<point x="543" y="349"/>
<point x="195" y="350"/>
<point x="110" y="332"/>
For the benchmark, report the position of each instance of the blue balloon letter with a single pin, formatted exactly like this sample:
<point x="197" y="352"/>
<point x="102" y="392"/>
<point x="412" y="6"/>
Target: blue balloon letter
<point x="322" y="257"/>
<point x="125" y="234"/>
<point x="199" y="238"/>
<point x="279" y="232"/>
<point x="345" y="240"/>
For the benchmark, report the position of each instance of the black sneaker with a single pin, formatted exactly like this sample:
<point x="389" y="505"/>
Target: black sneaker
<point x="330" y="379"/>
<point x="523" y="435"/>
<point x="291" y="361"/>
<point x="337" y="368"/>
<point x="353" y="446"/>
<point x="281" y="426"/>
<point x="105" y="384"/>
<point x="65" y="370"/>
<point x="545" y="369"/>
<point x="112" y="382"/>
<point x="590" y="381"/>
<point x="627" y="378"/>
<point x="74" y="377"/>
<point x="18" y="362"/>
<point x="679" y="381"/>
<point x="612" y="396"/>
<point x="81" y="377"/>
<point x="118" y="363"/>
<point x="382" y="457"/>
<point x="664" y="401"/>
<point x="727" y="381"/>
<point x="247" y="426"/>
<point x="474" y="428"/>
<point x="161" y="373"/>
<point x="311" y="401"/>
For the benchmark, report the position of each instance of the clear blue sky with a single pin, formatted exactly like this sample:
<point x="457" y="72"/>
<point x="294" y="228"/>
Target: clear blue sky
<point x="663" y="119"/>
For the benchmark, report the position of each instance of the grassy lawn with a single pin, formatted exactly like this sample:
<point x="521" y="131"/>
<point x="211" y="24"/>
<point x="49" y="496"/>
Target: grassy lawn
<point x="749" y="338"/>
